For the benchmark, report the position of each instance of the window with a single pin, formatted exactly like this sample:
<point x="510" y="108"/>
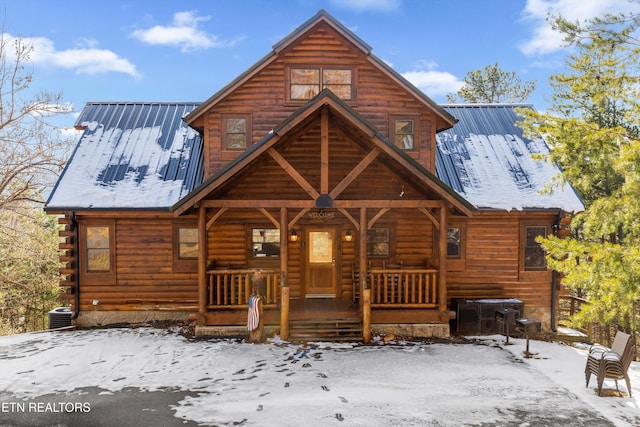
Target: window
<point x="187" y="243"/>
<point x="98" y="249"/>
<point x="236" y="132"/>
<point x="454" y="242"/>
<point x="265" y="242"/>
<point x="305" y="83"/>
<point x="404" y="134"/>
<point x="534" y="256"/>
<point x="379" y="242"/>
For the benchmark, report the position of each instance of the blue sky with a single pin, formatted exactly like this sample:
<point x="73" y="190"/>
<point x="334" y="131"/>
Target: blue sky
<point x="160" y="50"/>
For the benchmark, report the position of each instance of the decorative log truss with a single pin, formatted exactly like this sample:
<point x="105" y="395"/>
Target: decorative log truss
<point x="370" y="211"/>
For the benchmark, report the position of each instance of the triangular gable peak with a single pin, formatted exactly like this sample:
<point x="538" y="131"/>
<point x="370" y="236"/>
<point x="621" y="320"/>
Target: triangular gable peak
<point x="321" y="21"/>
<point x="324" y="156"/>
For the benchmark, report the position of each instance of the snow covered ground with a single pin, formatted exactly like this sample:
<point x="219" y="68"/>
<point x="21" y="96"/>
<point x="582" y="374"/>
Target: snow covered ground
<point x="480" y="383"/>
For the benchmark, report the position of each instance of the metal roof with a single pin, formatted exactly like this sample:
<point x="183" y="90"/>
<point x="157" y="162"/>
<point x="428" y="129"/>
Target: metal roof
<point x="130" y="155"/>
<point x="486" y="158"/>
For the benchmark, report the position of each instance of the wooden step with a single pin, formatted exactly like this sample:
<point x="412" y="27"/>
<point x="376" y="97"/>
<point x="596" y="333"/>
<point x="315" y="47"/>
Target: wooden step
<point x="340" y="329"/>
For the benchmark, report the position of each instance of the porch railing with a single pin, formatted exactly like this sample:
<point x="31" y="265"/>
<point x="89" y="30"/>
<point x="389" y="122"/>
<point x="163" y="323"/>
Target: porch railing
<point x="232" y="288"/>
<point x="404" y="288"/>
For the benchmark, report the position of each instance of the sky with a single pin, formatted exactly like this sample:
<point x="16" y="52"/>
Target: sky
<point x="185" y="51"/>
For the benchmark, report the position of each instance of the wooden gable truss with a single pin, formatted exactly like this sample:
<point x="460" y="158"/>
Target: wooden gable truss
<point x="293" y="171"/>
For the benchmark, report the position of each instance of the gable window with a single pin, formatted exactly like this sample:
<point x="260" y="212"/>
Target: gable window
<point x="305" y="83"/>
<point x="98" y="249"/>
<point x="534" y="256"/>
<point x="236" y="132"/>
<point x="403" y="132"/>
<point x="265" y="242"/>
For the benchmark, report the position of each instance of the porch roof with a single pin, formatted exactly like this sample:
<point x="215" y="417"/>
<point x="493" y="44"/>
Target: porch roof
<point x="325" y="99"/>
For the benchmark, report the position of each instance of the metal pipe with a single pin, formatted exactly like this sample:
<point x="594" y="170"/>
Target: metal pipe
<point x="76" y="268"/>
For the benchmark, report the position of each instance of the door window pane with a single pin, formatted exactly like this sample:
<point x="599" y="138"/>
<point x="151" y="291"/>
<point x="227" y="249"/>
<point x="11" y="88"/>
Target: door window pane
<point x="320" y="246"/>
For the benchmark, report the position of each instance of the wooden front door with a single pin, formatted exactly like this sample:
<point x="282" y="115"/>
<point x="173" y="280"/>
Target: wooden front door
<point x="321" y="252"/>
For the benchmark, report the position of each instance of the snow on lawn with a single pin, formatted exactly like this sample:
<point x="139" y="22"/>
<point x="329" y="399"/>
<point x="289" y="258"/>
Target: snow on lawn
<point x="440" y="384"/>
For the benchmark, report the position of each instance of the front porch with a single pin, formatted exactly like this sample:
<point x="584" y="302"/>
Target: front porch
<point x="401" y="296"/>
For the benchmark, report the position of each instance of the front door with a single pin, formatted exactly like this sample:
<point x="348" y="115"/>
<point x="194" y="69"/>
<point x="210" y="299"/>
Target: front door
<point x="320" y="277"/>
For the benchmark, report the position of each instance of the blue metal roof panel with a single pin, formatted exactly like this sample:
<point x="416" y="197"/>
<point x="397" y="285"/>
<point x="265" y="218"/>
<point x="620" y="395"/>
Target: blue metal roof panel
<point x="131" y="156"/>
<point x="486" y="159"/>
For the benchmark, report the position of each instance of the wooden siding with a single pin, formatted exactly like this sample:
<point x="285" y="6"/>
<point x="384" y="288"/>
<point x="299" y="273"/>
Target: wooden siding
<point x="493" y="259"/>
<point x="144" y="274"/>
<point x="264" y="97"/>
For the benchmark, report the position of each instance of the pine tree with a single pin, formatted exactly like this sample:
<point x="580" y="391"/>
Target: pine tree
<point x="592" y="128"/>
<point x="492" y="85"/>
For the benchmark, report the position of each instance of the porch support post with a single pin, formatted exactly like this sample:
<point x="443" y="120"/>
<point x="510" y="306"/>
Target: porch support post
<point x="442" y="255"/>
<point x="366" y="316"/>
<point x="362" y="254"/>
<point x="202" y="265"/>
<point x="284" y="286"/>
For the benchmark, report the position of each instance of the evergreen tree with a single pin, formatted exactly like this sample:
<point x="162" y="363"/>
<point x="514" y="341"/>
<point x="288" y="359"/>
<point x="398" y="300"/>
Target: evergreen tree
<point x="492" y="85"/>
<point x="592" y="128"/>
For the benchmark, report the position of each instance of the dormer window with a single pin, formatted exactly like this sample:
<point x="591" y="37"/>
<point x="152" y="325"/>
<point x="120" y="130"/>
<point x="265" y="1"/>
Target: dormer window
<point x="307" y="82"/>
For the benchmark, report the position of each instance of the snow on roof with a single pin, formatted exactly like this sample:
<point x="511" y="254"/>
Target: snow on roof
<point x="488" y="161"/>
<point x="130" y="155"/>
<point x="143" y="156"/>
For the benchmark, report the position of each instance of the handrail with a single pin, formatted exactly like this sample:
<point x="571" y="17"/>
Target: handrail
<point x="231" y="288"/>
<point x="404" y="288"/>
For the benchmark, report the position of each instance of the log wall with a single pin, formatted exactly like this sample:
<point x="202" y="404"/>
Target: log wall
<point x="263" y="97"/>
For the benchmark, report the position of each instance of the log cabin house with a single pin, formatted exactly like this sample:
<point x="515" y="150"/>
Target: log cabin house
<point x="362" y="204"/>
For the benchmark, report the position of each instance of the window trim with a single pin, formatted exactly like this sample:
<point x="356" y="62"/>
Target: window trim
<point x="321" y="67"/>
<point x="458" y="263"/>
<point x="392" y="242"/>
<point x="416" y="131"/>
<point x="225" y="136"/>
<point x="251" y="256"/>
<point x="183" y="264"/>
<point x="83" y="248"/>
<point x="523" y="246"/>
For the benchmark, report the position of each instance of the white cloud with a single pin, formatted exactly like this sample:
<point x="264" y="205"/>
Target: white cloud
<point x="81" y="60"/>
<point x="372" y="5"/>
<point x="432" y="82"/>
<point x="183" y="32"/>
<point x="544" y="40"/>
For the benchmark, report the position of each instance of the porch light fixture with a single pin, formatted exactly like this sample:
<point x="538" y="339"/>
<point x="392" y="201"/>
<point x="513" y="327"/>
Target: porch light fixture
<point x="348" y="236"/>
<point x="294" y="236"/>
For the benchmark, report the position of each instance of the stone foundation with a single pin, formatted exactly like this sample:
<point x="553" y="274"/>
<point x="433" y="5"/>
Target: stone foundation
<point x="88" y="319"/>
<point x="410" y="330"/>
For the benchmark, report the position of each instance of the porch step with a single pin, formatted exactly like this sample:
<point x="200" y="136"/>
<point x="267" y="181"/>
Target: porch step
<point x="341" y="329"/>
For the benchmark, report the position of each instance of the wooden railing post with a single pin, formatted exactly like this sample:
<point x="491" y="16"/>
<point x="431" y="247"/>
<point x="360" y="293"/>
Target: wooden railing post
<point x="284" y="312"/>
<point x="366" y="315"/>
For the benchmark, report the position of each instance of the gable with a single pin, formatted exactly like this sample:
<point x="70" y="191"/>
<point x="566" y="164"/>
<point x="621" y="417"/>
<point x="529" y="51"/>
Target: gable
<point x="320" y="40"/>
<point x="290" y="163"/>
<point x="486" y="158"/>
